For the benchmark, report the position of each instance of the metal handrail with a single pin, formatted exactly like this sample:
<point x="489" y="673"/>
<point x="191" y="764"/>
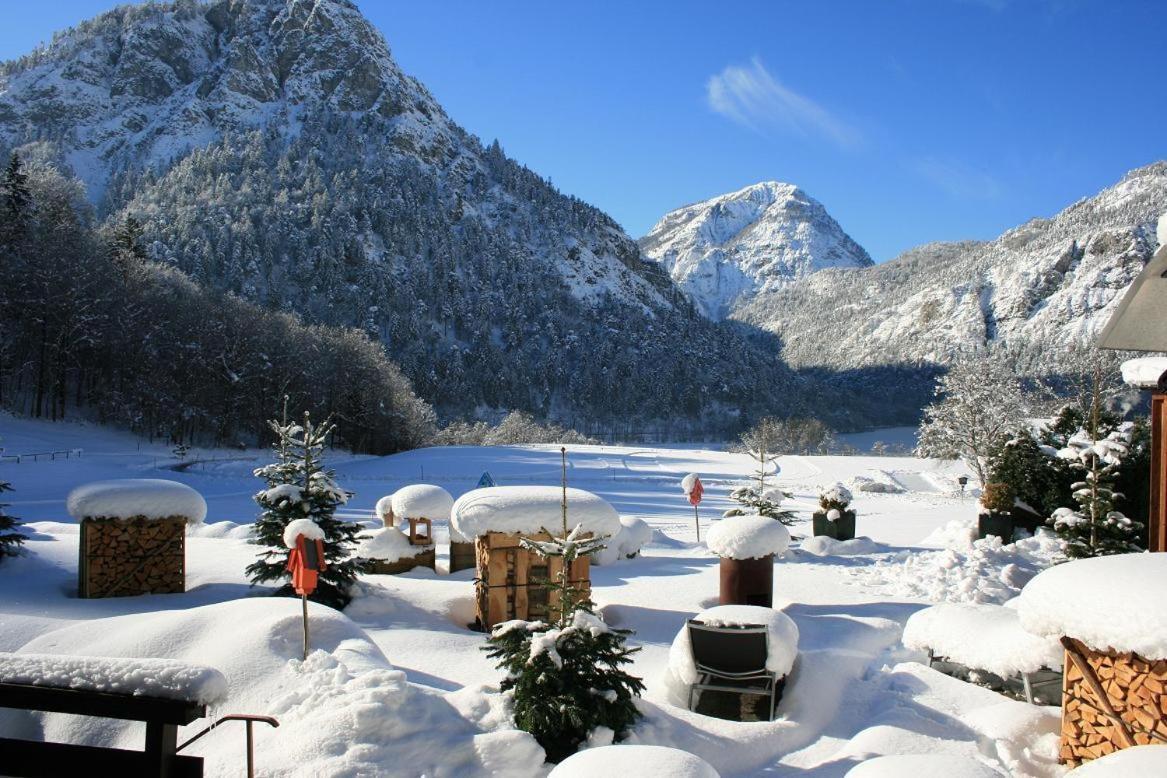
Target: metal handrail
<point x="246" y="717"/>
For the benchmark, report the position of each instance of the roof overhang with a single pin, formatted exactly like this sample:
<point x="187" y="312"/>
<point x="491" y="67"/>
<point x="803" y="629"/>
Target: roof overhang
<point x="1140" y="321"/>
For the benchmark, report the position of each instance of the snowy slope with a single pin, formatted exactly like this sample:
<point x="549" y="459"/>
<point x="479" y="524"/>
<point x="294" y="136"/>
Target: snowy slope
<point x="725" y="250"/>
<point x="1035" y="290"/>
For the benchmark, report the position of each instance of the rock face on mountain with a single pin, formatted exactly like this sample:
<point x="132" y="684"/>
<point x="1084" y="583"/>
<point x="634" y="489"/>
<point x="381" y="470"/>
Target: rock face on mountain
<point x="726" y="250"/>
<point x="274" y="150"/>
<point x="1031" y="294"/>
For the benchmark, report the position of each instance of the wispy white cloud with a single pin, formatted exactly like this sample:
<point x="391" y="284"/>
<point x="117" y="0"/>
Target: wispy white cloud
<point x="752" y="97"/>
<point x="958" y="179"/>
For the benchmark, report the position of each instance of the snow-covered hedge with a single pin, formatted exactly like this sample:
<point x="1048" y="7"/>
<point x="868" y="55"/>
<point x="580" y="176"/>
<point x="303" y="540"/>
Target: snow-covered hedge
<point x="389" y="544"/>
<point x="634" y="761"/>
<point x="634" y="534"/>
<point x="748" y="537"/>
<point x="306" y="527"/>
<point x="163" y="678"/>
<point x="981" y="636"/>
<point x="782" y="644"/>
<point x="1108" y="602"/>
<point x="151" y="498"/>
<point x="422" y="501"/>
<point x="529" y="509"/>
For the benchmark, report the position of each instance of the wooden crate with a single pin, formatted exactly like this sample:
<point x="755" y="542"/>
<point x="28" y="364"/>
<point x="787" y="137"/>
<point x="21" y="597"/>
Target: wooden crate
<point x="462" y="556"/>
<point x="511" y="579"/>
<point x="1110" y="701"/>
<point x="424" y="559"/>
<point x="126" y="557"/>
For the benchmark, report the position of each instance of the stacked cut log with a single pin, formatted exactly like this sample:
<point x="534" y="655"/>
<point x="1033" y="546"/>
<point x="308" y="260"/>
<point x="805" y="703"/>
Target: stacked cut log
<point x="512" y="581"/>
<point x="126" y="557"/>
<point x="1110" y="701"/>
<point x="405" y="564"/>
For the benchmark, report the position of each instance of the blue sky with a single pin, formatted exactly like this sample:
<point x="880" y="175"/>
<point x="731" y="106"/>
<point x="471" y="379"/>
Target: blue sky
<point x="911" y="120"/>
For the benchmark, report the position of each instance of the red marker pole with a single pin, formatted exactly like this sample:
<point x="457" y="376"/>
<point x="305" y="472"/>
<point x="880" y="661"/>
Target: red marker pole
<point x="695" y="500"/>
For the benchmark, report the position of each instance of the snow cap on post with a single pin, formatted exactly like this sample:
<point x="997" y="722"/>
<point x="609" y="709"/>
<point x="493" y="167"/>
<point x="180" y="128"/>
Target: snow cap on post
<point x="748" y="537"/>
<point x="1109" y="603"/>
<point x="127" y="498"/>
<point x="529" y="509"/>
<point x="689" y="482"/>
<point x="306" y="527"/>
<point x="422" y="501"/>
<point x="384" y="505"/>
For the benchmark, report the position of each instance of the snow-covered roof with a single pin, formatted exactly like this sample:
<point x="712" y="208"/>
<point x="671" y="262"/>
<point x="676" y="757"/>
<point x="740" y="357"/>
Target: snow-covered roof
<point x="1144" y="372"/>
<point x="900" y="765"/>
<point x="782" y="643"/>
<point x="422" y="501"/>
<point x="634" y="760"/>
<point x="306" y="527"/>
<point x="383" y="505"/>
<point x="529" y="509"/>
<point x="388" y="544"/>
<point x="1110" y="602"/>
<point x="151" y="498"/>
<point x="981" y="636"/>
<point x="748" y="537"/>
<point x="163" y="678"/>
<point x="1129" y="762"/>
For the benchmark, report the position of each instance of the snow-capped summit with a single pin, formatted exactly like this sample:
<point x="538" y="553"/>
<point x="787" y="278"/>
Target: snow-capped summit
<point x="725" y="250"/>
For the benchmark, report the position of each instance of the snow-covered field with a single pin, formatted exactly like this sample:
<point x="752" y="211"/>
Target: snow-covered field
<point x="400" y="685"/>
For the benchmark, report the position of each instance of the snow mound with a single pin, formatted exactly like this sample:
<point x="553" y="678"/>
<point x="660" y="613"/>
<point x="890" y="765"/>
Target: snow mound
<point x="1129" y="762"/>
<point x="981" y="636"/>
<point x="748" y="537"/>
<point x="297" y="527"/>
<point x="634" y="760"/>
<point x="388" y="544"/>
<point x="384" y="505"/>
<point x="152" y="498"/>
<point x="988" y="570"/>
<point x="903" y="765"/>
<point x="634" y="534"/>
<point x="875" y="485"/>
<point x="782" y="637"/>
<point x="1111" y="602"/>
<point x="164" y="678"/>
<point x="422" y="501"/>
<point x="529" y="509"/>
<point x="821" y="545"/>
<point x="1144" y="372"/>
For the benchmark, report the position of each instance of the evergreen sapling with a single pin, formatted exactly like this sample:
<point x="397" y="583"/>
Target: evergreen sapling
<point x="10" y="539"/>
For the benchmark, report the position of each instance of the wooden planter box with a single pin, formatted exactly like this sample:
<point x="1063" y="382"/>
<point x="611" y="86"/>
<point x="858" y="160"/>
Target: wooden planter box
<point x="461" y="556"/>
<point x="127" y="557"/>
<point x="843" y="529"/>
<point x="747" y="582"/>
<point x="995" y="523"/>
<point x="1110" y="701"/>
<point x="424" y="559"/>
<point x="511" y="581"/>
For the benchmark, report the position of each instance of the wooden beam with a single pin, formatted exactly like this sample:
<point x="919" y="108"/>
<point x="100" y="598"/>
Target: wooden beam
<point x="33" y="759"/>
<point x="1157" y="531"/>
<point x="110" y="706"/>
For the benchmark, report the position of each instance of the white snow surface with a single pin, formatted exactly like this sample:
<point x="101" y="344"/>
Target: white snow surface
<point x="923" y="766"/>
<point x="782" y="645"/>
<point x="981" y="636"/>
<point x="633" y="761"/>
<point x="162" y="678"/>
<point x="1144" y="372"/>
<point x="529" y="509"/>
<point x="1134" y="762"/>
<point x="422" y="501"/>
<point x="297" y="527"/>
<point x="748" y="537"/>
<point x="124" y="498"/>
<point x="388" y="544"/>
<point x="1109" y="602"/>
<point x="635" y="533"/>
<point x="821" y="545"/>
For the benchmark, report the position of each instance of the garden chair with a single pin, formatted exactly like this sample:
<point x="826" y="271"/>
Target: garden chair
<point x="733" y="660"/>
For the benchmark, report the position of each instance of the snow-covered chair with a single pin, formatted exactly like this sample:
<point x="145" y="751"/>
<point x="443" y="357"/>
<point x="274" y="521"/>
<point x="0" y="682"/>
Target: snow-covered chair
<point x="988" y="638"/>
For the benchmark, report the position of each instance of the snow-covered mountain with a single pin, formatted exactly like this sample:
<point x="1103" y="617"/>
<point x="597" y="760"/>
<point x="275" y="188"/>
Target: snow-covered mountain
<point x="725" y="250"/>
<point x="274" y="150"/>
<point x="1038" y="289"/>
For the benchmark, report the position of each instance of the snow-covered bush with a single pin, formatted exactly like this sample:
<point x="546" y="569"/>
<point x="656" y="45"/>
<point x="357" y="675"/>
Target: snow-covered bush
<point x="633" y="535"/>
<point x="766" y="503"/>
<point x="10" y="539"/>
<point x="836" y="498"/>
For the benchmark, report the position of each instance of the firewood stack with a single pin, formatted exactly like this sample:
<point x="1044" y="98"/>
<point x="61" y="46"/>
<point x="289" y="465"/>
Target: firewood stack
<point x="512" y="580"/>
<point x="126" y="557"/>
<point x="1110" y="701"/>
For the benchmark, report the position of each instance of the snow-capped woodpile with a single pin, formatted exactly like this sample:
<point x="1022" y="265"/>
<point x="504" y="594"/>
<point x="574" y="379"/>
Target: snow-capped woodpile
<point x="133" y="535"/>
<point x="1112" y="620"/>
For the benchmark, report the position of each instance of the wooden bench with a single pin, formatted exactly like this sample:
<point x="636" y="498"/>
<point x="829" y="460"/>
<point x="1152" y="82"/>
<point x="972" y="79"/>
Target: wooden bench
<point x="162" y="717"/>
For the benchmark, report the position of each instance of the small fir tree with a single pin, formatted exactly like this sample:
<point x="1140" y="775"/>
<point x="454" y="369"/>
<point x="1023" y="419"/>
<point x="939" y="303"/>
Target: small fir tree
<point x="567" y="677"/>
<point x="767" y="503"/>
<point x="298" y="487"/>
<point x="1033" y="472"/>
<point x="761" y="442"/>
<point x="10" y="539"/>
<point x="1096" y="528"/>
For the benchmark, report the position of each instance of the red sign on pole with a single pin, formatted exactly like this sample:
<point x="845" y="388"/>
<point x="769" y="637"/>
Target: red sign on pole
<point x="306" y="562"/>
<point x="696" y="492"/>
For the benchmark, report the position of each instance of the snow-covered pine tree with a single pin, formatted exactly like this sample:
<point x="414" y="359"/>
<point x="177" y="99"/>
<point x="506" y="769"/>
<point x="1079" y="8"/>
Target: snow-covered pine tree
<point x="568" y="678"/>
<point x="10" y="539"/>
<point x="1096" y="528"/>
<point x="1033" y="472"/>
<point x="767" y="503"/>
<point x="298" y="487"/>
